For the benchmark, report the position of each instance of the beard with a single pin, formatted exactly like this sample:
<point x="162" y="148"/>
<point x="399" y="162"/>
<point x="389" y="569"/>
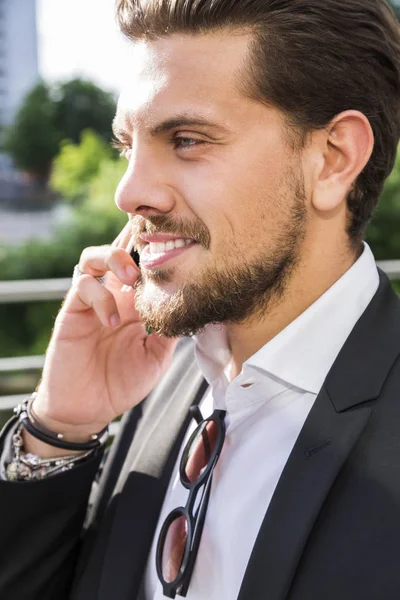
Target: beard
<point x="234" y="291"/>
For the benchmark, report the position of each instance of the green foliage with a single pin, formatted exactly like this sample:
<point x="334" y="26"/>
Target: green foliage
<point x="384" y="231"/>
<point x="396" y="286"/>
<point x="49" y="115"/>
<point x="26" y="328"/>
<point x="33" y="140"/>
<point x="80" y="105"/>
<point x="77" y="164"/>
<point x="103" y="186"/>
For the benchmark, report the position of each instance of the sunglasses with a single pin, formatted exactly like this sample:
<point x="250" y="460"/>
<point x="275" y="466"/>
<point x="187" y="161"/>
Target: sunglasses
<point x="180" y="534"/>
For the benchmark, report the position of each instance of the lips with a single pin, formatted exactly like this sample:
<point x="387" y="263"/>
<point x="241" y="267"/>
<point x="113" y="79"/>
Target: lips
<point x="160" y="248"/>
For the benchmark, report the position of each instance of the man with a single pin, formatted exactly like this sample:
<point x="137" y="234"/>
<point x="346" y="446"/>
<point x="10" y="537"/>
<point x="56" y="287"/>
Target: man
<point x="258" y="136"/>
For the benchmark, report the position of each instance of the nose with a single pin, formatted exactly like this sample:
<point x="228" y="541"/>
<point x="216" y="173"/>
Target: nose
<point x="145" y="187"/>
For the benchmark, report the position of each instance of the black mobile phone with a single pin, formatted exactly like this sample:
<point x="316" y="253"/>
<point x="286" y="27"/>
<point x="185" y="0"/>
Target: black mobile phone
<point x="135" y="256"/>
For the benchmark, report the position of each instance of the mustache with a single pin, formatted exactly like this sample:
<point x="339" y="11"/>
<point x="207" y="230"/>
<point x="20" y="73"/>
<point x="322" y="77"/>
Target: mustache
<point x="193" y="229"/>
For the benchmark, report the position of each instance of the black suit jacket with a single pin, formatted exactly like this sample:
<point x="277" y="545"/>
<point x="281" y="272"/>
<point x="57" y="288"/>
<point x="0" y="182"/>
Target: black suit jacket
<point x="332" y="530"/>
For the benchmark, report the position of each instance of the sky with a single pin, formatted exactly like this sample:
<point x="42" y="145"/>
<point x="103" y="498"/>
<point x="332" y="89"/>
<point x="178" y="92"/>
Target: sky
<point x="80" y="37"/>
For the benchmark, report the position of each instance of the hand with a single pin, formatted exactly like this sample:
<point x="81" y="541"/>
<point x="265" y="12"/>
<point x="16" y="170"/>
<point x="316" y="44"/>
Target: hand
<point x="100" y="361"/>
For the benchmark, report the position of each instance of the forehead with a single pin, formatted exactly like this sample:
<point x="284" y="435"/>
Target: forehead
<point x="184" y="73"/>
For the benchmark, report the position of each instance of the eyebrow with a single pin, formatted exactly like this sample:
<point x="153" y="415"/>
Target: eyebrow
<point x="173" y="123"/>
<point x="182" y="121"/>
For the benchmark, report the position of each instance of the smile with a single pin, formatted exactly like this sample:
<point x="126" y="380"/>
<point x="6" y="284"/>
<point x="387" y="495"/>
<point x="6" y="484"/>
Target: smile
<point x="157" y="252"/>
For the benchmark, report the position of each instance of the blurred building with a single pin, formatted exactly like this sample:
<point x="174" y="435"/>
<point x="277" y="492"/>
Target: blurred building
<point x="18" y="62"/>
<point x="18" y="54"/>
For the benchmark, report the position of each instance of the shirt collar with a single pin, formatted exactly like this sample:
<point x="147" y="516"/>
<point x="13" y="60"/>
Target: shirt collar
<point x="302" y="354"/>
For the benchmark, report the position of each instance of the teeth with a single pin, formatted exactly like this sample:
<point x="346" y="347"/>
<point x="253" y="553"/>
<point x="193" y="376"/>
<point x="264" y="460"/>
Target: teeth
<point x="161" y="247"/>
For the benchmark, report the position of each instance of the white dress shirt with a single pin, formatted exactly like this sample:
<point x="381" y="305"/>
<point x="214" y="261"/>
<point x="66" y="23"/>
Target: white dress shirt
<point x="263" y="420"/>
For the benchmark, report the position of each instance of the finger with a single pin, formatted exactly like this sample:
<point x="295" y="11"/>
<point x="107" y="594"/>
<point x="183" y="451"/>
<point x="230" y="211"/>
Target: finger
<point x="90" y="293"/>
<point x="161" y="344"/>
<point x="96" y="261"/>
<point x="124" y="237"/>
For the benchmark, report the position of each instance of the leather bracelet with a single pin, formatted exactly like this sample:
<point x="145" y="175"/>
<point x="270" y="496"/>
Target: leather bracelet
<point x="31" y="424"/>
<point x="93" y="438"/>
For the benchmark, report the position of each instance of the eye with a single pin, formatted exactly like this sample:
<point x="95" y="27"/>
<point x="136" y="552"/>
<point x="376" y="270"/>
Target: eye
<point x="123" y="146"/>
<point x="183" y="142"/>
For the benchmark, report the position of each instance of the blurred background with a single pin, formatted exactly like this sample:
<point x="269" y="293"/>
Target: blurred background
<point x="61" y="68"/>
<point x="62" y="64"/>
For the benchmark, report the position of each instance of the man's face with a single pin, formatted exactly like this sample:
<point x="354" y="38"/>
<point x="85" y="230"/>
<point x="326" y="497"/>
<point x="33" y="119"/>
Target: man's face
<point x="213" y="187"/>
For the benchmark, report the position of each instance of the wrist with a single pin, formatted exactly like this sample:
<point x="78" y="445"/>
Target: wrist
<point x="74" y="432"/>
<point x="41" y="449"/>
<point x="71" y="439"/>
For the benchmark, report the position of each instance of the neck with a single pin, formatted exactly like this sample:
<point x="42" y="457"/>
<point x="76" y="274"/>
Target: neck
<point x="313" y="276"/>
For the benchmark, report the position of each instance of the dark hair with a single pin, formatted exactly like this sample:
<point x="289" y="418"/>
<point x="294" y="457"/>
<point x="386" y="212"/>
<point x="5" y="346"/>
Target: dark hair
<point x="313" y="59"/>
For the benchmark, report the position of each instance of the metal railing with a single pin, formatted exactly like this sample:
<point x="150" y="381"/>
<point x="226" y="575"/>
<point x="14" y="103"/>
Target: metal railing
<point x="33" y="290"/>
<point x="55" y="289"/>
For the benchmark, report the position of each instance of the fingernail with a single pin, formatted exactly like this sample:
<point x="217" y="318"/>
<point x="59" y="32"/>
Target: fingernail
<point x="115" y="320"/>
<point x="130" y="271"/>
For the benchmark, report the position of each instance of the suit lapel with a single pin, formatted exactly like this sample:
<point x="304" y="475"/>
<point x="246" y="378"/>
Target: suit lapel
<point x="317" y="457"/>
<point x="336" y="421"/>
<point x="144" y="479"/>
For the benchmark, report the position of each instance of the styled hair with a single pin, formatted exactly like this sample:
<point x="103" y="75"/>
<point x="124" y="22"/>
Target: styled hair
<point x="311" y="59"/>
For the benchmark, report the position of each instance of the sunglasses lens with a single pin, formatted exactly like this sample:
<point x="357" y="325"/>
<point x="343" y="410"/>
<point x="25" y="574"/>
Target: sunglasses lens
<point x="174" y="548"/>
<point x="199" y="451"/>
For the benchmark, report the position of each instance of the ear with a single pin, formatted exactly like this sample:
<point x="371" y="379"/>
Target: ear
<point x="346" y="148"/>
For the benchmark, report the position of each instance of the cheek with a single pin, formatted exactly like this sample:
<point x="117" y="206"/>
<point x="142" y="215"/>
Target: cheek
<point x="238" y="198"/>
<point x="206" y="195"/>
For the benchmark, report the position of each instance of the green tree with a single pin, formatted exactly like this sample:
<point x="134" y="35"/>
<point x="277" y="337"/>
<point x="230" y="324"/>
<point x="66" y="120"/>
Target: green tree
<point x="80" y="105"/>
<point x="103" y="186"/>
<point x="33" y="140"/>
<point x="384" y="230"/>
<point x="49" y="115"/>
<point x="77" y="164"/>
